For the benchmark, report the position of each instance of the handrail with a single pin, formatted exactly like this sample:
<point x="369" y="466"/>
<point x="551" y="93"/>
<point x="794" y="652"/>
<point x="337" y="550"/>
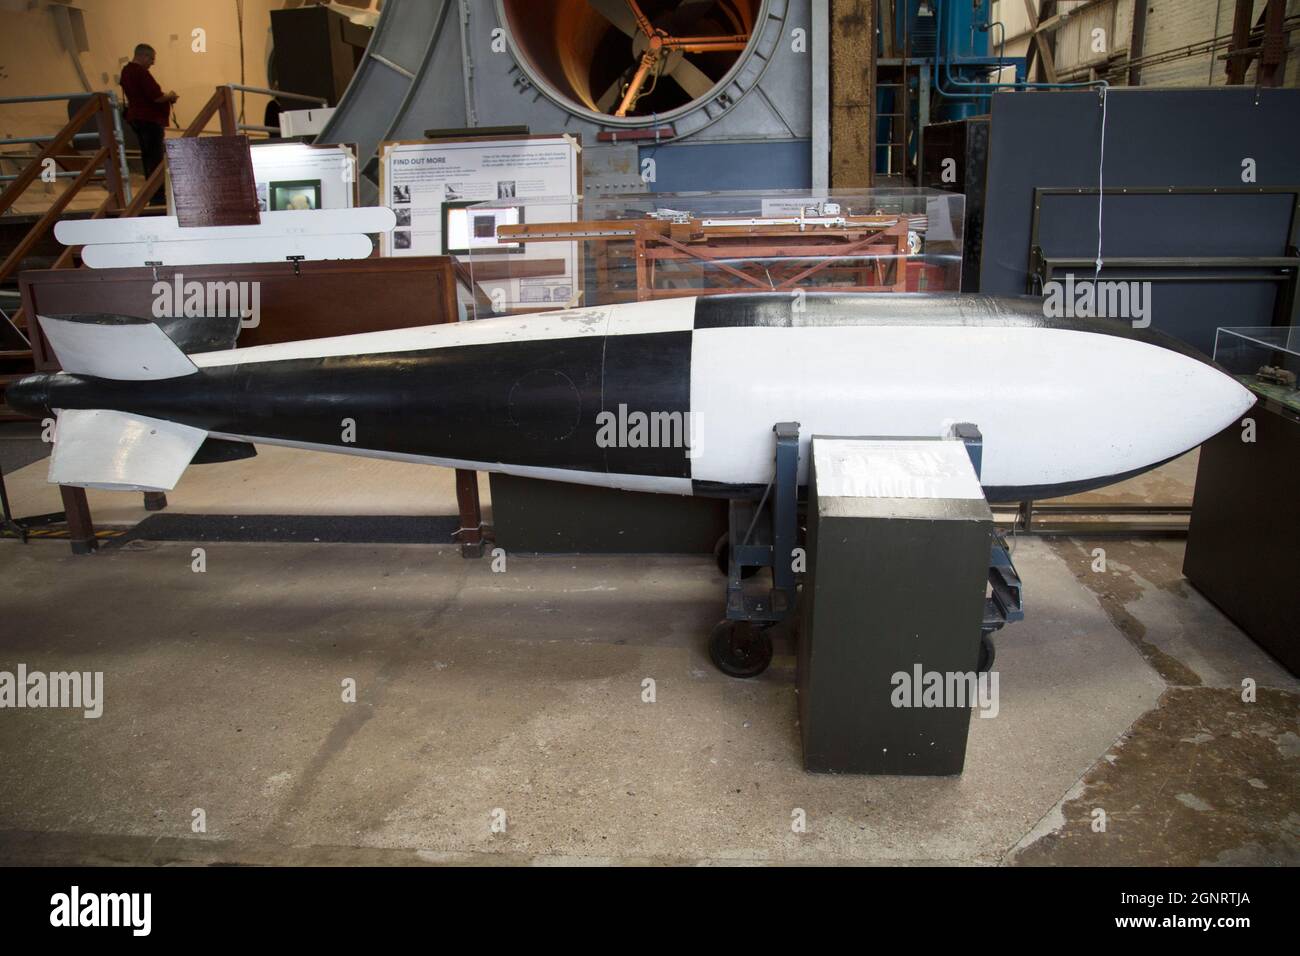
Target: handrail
<point x="25" y="140"/>
<point x="274" y="94"/>
<point x="61" y="174"/>
<point x="278" y="94"/>
<point x="42" y="98"/>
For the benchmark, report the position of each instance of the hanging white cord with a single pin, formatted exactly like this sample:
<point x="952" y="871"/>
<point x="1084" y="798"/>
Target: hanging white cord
<point x="1101" y="165"/>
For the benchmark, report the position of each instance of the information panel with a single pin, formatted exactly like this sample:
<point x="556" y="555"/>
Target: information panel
<point x="433" y="187"/>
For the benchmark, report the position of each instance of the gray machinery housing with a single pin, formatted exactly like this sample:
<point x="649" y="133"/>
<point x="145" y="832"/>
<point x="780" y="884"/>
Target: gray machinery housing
<point x="453" y="64"/>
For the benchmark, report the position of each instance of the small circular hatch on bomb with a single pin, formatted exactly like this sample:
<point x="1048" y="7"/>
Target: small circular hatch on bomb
<point x="545" y="405"/>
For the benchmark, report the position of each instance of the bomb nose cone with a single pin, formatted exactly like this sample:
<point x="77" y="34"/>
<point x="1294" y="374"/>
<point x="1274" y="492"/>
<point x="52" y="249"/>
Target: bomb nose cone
<point x="1242" y="399"/>
<point x="30" y="396"/>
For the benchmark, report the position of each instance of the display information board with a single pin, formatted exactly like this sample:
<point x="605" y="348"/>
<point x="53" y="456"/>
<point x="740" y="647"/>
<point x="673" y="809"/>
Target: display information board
<point x="434" y="188"/>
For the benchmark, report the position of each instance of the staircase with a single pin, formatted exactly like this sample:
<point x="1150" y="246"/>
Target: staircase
<point x="106" y="165"/>
<point x="87" y="149"/>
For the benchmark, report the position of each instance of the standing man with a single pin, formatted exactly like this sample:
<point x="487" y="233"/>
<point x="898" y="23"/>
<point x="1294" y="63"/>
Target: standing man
<point x="147" y="110"/>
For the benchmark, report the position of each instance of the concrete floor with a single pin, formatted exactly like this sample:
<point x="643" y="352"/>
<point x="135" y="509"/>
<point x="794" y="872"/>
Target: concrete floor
<point x="521" y="692"/>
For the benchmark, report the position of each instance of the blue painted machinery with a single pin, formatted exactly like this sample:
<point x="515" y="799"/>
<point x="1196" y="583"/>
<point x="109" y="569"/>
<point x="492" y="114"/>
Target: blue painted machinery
<point x="949" y="49"/>
<point x="962" y="58"/>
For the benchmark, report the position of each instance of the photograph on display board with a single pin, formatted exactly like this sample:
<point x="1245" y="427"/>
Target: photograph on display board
<point x="466" y="229"/>
<point x="295" y="194"/>
<point x="302" y="176"/>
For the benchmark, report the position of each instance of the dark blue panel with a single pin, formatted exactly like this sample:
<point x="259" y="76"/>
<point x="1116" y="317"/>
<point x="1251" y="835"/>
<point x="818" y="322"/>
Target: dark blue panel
<point x="723" y="166"/>
<point x="1153" y="138"/>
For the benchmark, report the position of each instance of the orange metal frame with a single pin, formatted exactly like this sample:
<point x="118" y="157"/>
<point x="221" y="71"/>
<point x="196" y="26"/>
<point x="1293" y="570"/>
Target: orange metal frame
<point x="870" y="252"/>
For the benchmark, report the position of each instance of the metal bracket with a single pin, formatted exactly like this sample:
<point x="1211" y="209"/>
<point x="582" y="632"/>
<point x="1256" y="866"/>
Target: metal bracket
<point x="764" y="534"/>
<point x="1005" y="603"/>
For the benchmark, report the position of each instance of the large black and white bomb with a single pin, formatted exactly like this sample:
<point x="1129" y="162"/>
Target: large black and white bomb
<point x="677" y="395"/>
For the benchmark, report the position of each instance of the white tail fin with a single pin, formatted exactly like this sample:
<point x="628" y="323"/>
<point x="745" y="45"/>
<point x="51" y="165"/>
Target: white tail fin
<point x="115" y="346"/>
<point x="98" y="448"/>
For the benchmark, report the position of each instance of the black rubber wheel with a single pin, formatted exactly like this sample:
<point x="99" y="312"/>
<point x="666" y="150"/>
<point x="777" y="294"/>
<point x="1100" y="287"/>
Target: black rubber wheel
<point x="988" y="653"/>
<point x="739" y="649"/>
<point x="722" y="555"/>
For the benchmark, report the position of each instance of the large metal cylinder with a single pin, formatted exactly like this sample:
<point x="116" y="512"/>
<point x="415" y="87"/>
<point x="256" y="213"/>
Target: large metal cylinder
<point x="585" y="52"/>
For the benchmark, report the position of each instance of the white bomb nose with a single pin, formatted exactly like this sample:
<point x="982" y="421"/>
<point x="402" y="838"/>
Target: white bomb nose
<point x="1183" y="401"/>
<point x="1061" y="409"/>
<point x="1233" y="398"/>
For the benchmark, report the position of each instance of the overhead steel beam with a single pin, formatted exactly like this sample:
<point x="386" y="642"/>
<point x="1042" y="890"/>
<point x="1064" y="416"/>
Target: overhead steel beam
<point x="1135" y="42"/>
<point x="1041" y="42"/>
<point x="1239" y="56"/>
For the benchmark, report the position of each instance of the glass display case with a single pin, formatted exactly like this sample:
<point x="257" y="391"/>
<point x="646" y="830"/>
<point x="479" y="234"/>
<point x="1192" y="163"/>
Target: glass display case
<point x="1266" y="360"/>
<point x="528" y="255"/>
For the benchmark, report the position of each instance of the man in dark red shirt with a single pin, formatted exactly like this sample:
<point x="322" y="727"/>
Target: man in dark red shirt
<point x="147" y="110"/>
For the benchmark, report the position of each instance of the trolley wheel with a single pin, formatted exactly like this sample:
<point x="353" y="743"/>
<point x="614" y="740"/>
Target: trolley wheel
<point x="722" y="555"/>
<point x="988" y="653"/>
<point x="740" y="649"/>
